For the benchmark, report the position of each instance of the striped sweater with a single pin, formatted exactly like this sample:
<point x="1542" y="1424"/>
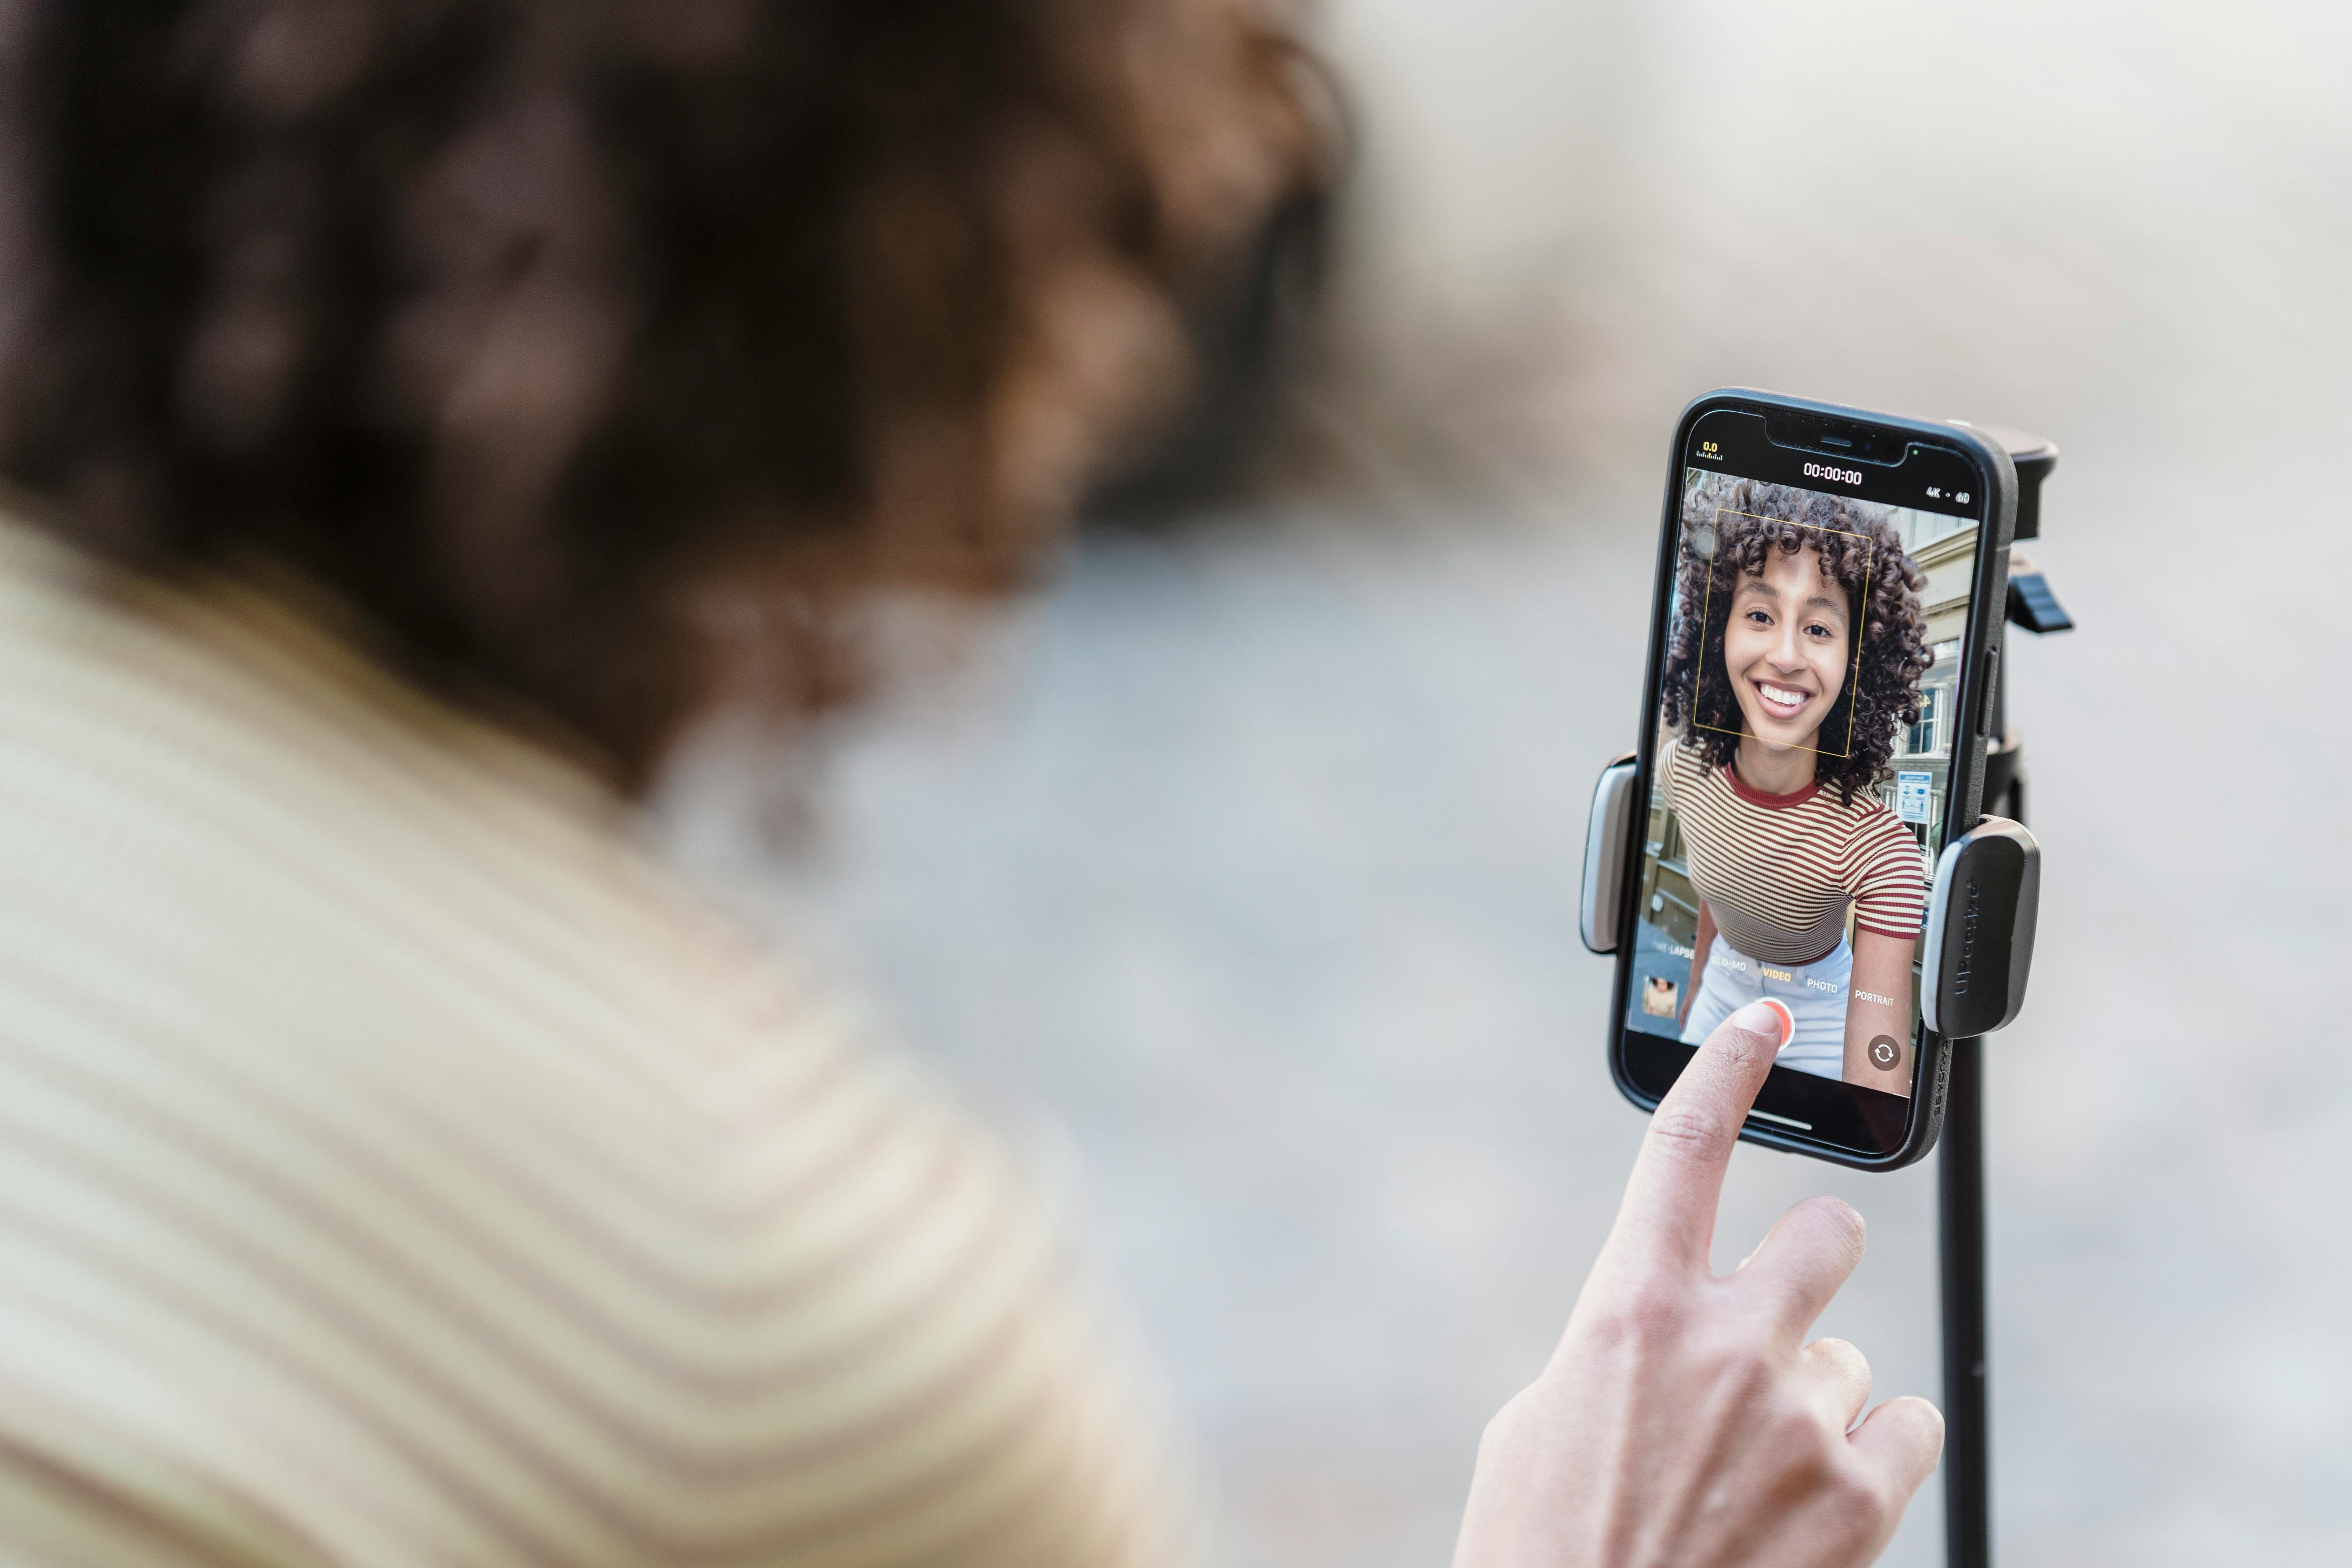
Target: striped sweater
<point x="397" y="1168"/>
<point x="1779" y="870"/>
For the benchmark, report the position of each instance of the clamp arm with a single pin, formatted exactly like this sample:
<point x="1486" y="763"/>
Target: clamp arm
<point x="1603" y="900"/>
<point x="1982" y="910"/>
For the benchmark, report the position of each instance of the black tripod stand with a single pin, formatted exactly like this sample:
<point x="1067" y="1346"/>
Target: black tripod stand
<point x="1968" y="1501"/>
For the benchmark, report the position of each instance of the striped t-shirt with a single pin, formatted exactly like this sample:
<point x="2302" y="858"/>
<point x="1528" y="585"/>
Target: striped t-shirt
<point x="1777" y="870"/>
<point x="399" y="1168"/>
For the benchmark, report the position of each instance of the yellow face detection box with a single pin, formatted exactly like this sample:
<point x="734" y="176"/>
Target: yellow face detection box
<point x="1854" y="634"/>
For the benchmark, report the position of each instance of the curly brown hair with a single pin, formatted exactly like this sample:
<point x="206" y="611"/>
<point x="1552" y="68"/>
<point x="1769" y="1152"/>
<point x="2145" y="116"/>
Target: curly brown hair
<point x="603" y="353"/>
<point x="1730" y="527"/>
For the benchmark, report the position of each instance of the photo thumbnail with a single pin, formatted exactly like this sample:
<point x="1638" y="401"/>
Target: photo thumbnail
<point x="1661" y="997"/>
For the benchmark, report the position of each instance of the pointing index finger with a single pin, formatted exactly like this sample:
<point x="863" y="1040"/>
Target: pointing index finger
<point x="1669" y="1207"/>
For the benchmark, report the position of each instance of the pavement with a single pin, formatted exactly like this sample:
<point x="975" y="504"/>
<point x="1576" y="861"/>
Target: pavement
<point x="1237" y="876"/>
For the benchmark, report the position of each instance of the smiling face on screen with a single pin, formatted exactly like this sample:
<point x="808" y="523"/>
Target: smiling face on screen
<point x="1786" y="647"/>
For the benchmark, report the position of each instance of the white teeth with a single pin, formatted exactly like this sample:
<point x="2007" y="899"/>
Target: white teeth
<point x="1781" y="694"/>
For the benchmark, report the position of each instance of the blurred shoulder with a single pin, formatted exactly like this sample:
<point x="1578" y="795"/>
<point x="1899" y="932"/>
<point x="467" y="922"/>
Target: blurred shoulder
<point x="458" y="1179"/>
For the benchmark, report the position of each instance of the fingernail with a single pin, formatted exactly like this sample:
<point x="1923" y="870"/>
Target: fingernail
<point x="1768" y="1018"/>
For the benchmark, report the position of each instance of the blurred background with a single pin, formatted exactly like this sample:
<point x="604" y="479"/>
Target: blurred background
<point x="1236" y="872"/>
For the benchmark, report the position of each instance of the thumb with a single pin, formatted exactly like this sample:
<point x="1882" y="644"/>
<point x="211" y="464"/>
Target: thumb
<point x="1900" y="1443"/>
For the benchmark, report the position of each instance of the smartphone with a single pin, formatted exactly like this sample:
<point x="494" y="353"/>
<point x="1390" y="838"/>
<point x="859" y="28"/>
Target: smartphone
<point x="1825" y="638"/>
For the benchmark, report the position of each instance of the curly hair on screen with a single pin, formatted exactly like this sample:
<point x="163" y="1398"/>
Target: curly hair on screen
<point x="1858" y="546"/>
<point x="602" y="354"/>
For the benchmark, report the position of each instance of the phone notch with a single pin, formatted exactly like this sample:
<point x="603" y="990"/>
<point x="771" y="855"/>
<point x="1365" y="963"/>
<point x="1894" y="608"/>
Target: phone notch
<point x="1836" y="438"/>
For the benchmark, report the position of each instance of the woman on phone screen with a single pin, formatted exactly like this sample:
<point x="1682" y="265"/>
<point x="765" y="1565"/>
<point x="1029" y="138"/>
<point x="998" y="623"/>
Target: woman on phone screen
<point x="1797" y="654"/>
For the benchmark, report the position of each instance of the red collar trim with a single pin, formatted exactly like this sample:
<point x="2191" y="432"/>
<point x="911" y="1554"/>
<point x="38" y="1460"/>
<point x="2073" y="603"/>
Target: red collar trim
<point x="1768" y="802"/>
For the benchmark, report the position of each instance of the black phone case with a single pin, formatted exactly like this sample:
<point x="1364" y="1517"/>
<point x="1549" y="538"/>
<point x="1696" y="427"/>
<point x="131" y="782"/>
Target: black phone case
<point x="1964" y="805"/>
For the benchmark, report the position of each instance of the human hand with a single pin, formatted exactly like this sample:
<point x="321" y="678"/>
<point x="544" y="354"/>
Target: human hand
<point x="1682" y="1420"/>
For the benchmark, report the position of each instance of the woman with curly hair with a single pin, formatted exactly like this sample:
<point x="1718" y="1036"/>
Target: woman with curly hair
<point x="1797" y="651"/>
<point x="420" y="414"/>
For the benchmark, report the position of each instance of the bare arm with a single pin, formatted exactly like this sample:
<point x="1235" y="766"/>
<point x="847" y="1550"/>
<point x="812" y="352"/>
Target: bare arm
<point x="1878" y="1008"/>
<point x="1705" y="940"/>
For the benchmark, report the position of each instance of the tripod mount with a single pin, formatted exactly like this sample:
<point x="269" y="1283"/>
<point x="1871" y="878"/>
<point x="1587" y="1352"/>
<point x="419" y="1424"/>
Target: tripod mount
<point x="1975" y="960"/>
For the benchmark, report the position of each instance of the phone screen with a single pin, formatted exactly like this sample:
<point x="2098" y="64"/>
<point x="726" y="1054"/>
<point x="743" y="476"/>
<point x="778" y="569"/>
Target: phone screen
<point x="1801" y="761"/>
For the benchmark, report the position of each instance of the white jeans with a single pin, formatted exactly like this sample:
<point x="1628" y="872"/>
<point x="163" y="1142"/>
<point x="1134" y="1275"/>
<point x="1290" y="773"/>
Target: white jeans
<point x="1814" y="994"/>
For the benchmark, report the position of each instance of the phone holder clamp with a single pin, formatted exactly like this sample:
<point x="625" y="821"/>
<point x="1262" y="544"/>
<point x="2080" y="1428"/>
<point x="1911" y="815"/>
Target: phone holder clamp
<point x="1982" y="910"/>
